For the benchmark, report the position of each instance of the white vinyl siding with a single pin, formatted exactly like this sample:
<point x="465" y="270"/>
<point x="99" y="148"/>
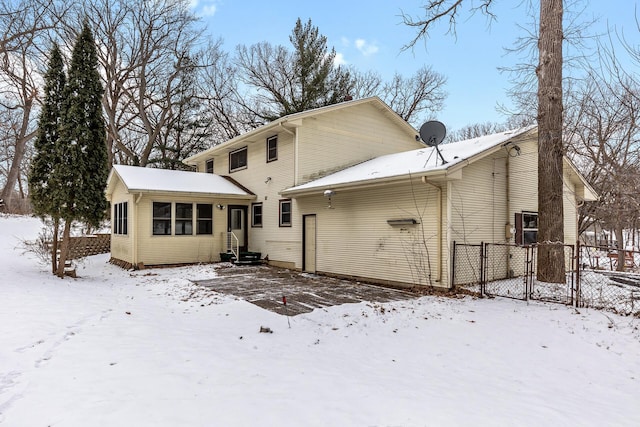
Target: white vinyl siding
<point x="354" y="238"/>
<point x="266" y="180"/>
<point x="122" y="244"/>
<point x="171" y="249"/>
<point x="338" y="139"/>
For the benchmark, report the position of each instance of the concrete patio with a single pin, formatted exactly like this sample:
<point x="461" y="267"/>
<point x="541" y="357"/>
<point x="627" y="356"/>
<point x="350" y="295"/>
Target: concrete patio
<point x="265" y="287"/>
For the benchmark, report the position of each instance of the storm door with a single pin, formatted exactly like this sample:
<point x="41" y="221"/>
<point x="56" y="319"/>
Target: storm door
<point x="237" y="222"/>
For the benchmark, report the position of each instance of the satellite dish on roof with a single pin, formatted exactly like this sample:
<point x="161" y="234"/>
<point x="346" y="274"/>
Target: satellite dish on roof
<point x="432" y="133"/>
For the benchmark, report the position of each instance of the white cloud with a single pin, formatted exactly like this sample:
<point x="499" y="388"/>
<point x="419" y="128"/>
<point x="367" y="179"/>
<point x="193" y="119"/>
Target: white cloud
<point x="366" y="48"/>
<point x="205" y="8"/>
<point x="208" y="10"/>
<point x="339" y="59"/>
<point x="345" y="41"/>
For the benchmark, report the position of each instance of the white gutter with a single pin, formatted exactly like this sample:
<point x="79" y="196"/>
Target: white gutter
<point x="134" y="236"/>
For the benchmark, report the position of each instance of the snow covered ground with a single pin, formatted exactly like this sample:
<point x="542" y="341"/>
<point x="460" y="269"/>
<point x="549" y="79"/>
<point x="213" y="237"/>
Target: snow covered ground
<point x="149" y="348"/>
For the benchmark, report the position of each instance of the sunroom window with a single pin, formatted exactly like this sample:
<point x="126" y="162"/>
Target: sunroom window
<point x="184" y="219"/>
<point x="204" y="214"/>
<point x="120" y="218"/>
<point x="161" y="218"/>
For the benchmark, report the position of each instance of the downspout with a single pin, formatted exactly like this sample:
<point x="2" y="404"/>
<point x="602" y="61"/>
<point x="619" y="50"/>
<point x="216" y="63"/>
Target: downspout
<point x="438" y="228"/>
<point x="134" y="229"/>
<point x="295" y="151"/>
<point x="579" y="204"/>
<point x="507" y="232"/>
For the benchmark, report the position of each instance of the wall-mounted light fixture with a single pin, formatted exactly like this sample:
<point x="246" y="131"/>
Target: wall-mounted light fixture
<point x="514" y="151"/>
<point x="267" y="180"/>
<point x="221" y="207"/>
<point x="328" y="194"/>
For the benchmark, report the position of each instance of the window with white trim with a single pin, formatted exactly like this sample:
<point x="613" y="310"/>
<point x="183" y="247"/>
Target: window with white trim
<point x="161" y="218"/>
<point x="526" y="228"/>
<point x="204" y="215"/>
<point x="256" y="214"/>
<point x="120" y="218"/>
<point x="238" y="159"/>
<point x="285" y="213"/>
<point x="209" y="166"/>
<point x="184" y="219"/>
<point x="272" y="148"/>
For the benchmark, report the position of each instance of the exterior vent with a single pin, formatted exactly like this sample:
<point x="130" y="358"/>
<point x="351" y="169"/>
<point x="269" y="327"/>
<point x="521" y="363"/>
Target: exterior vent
<point x="403" y="221"/>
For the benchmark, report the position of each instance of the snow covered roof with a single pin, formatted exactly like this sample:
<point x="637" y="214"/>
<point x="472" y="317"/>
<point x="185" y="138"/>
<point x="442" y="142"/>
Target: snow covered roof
<point x="139" y="179"/>
<point x="414" y="162"/>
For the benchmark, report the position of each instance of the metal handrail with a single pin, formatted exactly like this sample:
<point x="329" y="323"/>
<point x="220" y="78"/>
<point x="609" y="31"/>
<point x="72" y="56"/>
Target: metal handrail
<point x="231" y="237"/>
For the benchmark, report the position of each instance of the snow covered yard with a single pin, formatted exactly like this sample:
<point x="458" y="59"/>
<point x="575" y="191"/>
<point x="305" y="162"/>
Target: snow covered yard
<point x="150" y="348"/>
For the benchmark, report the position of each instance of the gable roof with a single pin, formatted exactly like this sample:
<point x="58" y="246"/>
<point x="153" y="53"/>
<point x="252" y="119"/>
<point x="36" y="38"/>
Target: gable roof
<point x="294" y="120"/>
<point x="144" y="180"/>
<point x="423" y="161"/>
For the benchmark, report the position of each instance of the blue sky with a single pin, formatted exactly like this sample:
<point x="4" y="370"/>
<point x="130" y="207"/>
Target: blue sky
<point x="370" y="35"/>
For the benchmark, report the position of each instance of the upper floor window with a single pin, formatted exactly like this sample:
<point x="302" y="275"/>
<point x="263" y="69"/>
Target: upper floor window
<point x="272" y="148"/>
<point x="285" y="213"/>
<point x="120" y="218"/>
<point x="238" y="159"/>
<point x="209" y="166"/>
<point x="161" y="218"/>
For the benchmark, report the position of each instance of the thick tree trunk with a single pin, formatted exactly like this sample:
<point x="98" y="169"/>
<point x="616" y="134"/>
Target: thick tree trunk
<point x="618" y="231"/>
<point x="21" y="146"/>
<point x="64" y="249"/>
<point x="551" y="267"/>
<point x="54" y="245"/>
<point x="14" y="172"/>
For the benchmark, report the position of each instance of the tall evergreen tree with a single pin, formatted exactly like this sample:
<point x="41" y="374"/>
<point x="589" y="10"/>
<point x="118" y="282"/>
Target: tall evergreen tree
<point x="82" y="148"/>
<point x="289" y="81"/>
<point x="42" y="186"/>
<point x="320" y="82"/>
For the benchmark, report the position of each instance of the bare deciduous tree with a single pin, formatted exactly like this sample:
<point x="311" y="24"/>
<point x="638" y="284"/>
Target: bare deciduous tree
<point x="414" y="98"/>
<point x="290" y="81"/>
<point x="549" y="95"/>
<point x="24" y="27"/>
<point x="605" y="142"/>
<point x="153" y="55"/>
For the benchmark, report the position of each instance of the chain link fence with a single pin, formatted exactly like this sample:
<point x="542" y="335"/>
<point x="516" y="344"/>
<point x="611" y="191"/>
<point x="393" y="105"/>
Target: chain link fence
<point x="509" y="270"/>
<point x="602" y="286"/>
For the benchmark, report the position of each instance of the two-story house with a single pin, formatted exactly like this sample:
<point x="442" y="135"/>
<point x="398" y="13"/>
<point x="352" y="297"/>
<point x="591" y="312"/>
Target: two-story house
<point x="345" y="190"/>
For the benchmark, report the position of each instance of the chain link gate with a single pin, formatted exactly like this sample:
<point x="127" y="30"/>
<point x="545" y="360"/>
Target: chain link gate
<point x="508" y="270"/>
